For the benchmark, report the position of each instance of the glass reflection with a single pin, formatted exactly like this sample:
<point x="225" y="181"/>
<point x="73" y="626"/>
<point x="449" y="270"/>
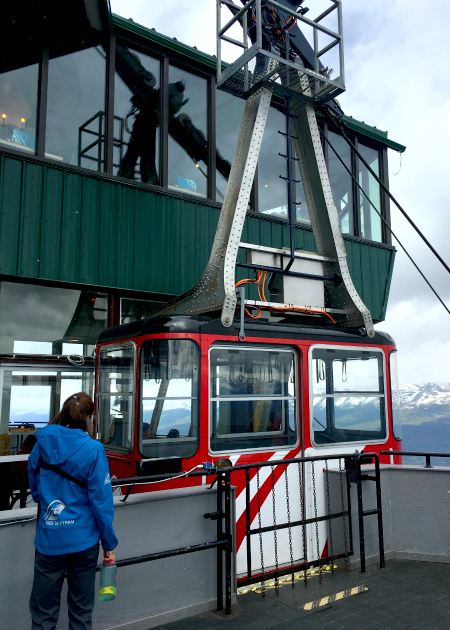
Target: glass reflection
<point x="137" y="116"/>
<point x="49" y="320"/>
<point x="272" y="191"/>
<point x="370" y="220"/>
<point x="341" y="181"/>
<point x="229" y="112"/>
<point x="188" y="146"/>
<point x="76" y="108"/>
<point x="18" y="107"/>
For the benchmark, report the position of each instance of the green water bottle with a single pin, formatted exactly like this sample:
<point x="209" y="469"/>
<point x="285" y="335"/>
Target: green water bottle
<point x="108" y="577"/>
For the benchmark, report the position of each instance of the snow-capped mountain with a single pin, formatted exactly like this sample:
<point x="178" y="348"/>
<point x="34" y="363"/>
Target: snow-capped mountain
<point x="412" y="395"/>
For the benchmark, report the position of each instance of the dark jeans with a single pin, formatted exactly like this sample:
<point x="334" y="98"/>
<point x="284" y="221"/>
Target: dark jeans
<point x="48" y="580"/>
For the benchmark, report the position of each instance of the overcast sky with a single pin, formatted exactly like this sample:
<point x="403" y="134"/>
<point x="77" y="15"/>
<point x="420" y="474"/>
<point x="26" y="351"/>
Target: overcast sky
<point x="397" y="79"/>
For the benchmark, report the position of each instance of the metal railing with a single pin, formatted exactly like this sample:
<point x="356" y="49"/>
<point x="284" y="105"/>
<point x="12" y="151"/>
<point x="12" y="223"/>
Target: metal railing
<point x="427" y="456"/>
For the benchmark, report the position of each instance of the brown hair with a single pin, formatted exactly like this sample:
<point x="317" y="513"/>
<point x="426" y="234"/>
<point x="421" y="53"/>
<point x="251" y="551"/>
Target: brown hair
<point x="75" y="412"/>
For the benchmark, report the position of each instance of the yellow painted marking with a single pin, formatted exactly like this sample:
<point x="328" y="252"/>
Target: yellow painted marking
<point x="299" y="575"/>
<point x="325" y="600"/>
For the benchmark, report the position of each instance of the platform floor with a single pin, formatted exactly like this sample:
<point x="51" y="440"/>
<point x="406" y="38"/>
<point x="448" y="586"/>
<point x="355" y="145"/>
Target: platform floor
<point x="407" y="595"/>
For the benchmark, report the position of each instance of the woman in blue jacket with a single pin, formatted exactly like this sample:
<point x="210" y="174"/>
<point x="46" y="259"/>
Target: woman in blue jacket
<point x="69" y="479"/>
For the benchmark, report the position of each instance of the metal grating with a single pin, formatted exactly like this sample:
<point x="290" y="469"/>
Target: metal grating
<point x="265" y="70"/>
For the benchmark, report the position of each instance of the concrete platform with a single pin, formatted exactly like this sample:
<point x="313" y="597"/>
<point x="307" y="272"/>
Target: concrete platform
<point x="407" y="595"/>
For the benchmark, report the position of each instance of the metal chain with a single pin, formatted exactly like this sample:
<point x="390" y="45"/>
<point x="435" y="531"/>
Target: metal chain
<point x="275" y="541"/>
<point x="263" y="585"/>
<point x="330" y="528"/>
<point x="316" y="523"/>
<point x="344" y="522"/>
<point x="289" y="524"/>
<point x="302" y="511"/>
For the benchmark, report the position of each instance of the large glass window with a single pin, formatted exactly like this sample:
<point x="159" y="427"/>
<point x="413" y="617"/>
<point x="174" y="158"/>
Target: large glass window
<point x="169" y="398"/>
<point x="76" y="108"/>
<point x="229" y="112"/>
<point x="50" y="320"/>
<point x="253" y="398"/>
<point x="348" y="400"/>
<point x="136" y="116"/>
<point x="132" y="310"/>
<point x="187" y="145"/>
<point x="341" y="180"/>
<point x="370" y="220"/>
<point x="115" y="409"/>
<point x="30" y="396"/>
<point x="18" y="108"/>
<point x="272" y="190"/>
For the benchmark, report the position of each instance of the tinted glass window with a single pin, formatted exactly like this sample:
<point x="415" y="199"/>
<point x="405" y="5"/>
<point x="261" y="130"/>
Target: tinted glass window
<point x="188" y="147"/>
<point x="132" y="310"/>
<point x="229" y="112"/>
<point x="347" y="395"/>
<point x="115" y="413"/>
<point x="169" y="398"/>
<point x="341" y="181"/>
<point x="18" y="103"/>
<point x="136" y="116"/>
<point x="253" y="399"/>
<point x="370" y="220"/>
<point x="76" y="108"/>
<point x="272" y="190"/>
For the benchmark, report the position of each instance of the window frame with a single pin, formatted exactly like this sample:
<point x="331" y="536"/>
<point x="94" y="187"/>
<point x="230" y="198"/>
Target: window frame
<point x="141" y="398"/>
<point x="297" y="391"/>
<point x="98" y="394"/>
<point x="375" y="394"/>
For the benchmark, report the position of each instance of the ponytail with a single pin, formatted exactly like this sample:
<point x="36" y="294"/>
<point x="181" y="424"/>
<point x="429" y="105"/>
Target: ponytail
<point x="75" y="412"/>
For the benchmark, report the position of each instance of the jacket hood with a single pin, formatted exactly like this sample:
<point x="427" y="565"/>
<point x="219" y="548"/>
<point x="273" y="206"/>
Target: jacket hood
<point x="57" y="443"/>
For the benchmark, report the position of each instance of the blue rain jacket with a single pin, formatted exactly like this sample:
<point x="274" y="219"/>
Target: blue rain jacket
<point x="72" y="518"/>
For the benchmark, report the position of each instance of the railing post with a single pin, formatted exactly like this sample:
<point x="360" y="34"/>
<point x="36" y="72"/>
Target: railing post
<point x="379" y="515"/>
<point x="362" y="550"/>
<point x="229" y="548"/>
<point x="219" y="537"/>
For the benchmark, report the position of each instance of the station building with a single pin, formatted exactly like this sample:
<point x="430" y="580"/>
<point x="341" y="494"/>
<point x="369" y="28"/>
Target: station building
<point x="115" y="147"/>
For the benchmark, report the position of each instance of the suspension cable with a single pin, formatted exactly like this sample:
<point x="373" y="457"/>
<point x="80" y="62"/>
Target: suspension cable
<point x="383" y="186"/>
<point x="382" y="218"/>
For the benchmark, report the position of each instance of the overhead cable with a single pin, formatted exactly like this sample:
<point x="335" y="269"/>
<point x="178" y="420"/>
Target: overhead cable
<point x="382" y="218"/>
<point x="383" y="186"/>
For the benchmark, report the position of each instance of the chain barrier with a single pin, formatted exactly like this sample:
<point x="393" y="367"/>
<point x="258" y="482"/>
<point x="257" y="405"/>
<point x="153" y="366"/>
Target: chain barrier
<point x="263" y="585"/>
<point x="275" y="538"/>
<point x="344" y="522"/>
<point x="330" y="528"/>
<point x="302" y="512"/>
<point x="313" y="478"/>
<point x="288" y="509"/>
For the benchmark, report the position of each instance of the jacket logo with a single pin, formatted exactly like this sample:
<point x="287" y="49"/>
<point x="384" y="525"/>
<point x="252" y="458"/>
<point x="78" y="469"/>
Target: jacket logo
<point x="107" y="479"/>
<point x="54" y="510"/>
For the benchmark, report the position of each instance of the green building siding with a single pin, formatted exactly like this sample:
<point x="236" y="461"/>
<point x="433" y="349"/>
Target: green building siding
<point x="74" y="227"/>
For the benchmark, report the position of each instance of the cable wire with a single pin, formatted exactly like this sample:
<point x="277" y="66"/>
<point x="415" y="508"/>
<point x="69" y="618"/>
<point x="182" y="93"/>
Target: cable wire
<point x="383" y="219"/>
<point x="383" y="186"/>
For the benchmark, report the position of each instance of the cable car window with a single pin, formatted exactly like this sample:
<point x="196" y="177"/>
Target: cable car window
<point x="169" y="398"/>
<point x="115" y="397"/>
<point x="348" y="395"/>
<point x="253" y="398"/>
<point x="395" y="395"/>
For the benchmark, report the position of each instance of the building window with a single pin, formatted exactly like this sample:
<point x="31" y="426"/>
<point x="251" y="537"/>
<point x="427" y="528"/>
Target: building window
<point x="18" y="108"/>
<point x="253" y="399"/>
<point x="348" y="395"/>
<point x="272" y="190"/>
<point x="76" y="108"/>
<point x="341" y="181"/>
<point x="131" y="310"/>
<point x="137" y="116"/>
<point x="369" y="218"/>
<point x="187" y="142"/>
<point x="170" y="398"/>
<point x="229" y="112"/>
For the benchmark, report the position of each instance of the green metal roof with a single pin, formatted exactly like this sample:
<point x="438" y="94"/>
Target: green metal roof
<point x="210" y="63"/>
